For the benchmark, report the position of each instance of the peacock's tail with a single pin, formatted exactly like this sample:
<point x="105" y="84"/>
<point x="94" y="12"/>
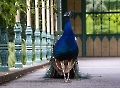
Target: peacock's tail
<point x="55" y="69"/>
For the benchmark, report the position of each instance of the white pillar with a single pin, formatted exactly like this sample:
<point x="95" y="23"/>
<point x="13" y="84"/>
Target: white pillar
<point x="36" y="14"/>
<point x="43" y="15"/>
<point x="60" y="15"/>
<point x="52" y="18"/>
<point x="18" y="16"/>
<point x="55" y="2"/>
<point x="48" y="17"/>
<point x="28" y="13"/>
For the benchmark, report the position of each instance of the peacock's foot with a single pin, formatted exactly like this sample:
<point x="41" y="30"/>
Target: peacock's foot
<point x="67" y="81"/>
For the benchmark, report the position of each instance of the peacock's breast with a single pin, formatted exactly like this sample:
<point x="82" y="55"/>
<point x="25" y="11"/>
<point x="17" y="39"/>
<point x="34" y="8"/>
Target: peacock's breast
<point x="65" y="48"/>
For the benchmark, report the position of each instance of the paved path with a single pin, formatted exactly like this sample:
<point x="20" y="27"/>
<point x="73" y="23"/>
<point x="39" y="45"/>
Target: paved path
<point x="103" y="72"/>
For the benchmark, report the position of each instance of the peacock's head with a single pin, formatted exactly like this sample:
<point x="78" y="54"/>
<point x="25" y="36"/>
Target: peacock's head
<point x="68" y="14"/>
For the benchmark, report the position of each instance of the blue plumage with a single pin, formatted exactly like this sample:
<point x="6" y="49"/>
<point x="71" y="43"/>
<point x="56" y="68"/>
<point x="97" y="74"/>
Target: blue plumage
<point x="65" y="52"/>
<point x="66" y="47"/>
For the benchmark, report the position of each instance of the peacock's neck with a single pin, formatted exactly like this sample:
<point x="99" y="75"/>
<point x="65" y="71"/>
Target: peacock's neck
<point x="68" y="28"/>
<point x="67" y="19"/>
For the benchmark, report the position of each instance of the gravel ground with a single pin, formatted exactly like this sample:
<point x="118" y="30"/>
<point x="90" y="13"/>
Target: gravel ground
<point x="102" y="72"/>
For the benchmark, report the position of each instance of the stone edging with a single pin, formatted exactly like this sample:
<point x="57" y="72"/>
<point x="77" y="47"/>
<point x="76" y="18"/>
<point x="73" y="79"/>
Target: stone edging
<point x="14" y="73"/>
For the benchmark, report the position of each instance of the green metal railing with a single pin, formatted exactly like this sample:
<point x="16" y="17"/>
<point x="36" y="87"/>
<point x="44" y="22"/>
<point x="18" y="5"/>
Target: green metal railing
<point x="37" y="47"/>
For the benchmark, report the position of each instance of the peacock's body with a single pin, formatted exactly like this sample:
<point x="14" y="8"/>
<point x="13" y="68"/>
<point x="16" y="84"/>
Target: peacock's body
<point x="66" y="47"/>
<point x="65" y="52"/>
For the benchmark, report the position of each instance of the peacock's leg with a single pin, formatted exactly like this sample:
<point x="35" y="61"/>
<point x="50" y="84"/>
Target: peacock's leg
<point x="70" y="66"/>
<point x="68" y="77"/>
<point x="63" y="69"/>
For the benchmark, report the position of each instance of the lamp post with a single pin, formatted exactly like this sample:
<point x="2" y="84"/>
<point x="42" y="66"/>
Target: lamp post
<point x="37" y="34"/>
<point x="29" y="36"/>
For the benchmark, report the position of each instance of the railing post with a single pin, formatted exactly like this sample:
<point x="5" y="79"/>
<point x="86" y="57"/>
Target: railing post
<point x="52" y="43"/>
<point x="29" y="45"/>
<point x="29" y="53"/>
<point x="43" y="46"/>
<point x="37" y="45"/>
<point x="43" y="34"/>
<point x="48" y="46"/>
<point x="52" y="25"/>
<point x="3" y="49"/>
<point x="18" y="41"/>
<point x="48" y="30"/>
<point x="37" y="33"/>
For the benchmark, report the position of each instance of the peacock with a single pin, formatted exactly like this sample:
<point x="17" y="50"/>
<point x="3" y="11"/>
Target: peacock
<point x="65" y="52"/>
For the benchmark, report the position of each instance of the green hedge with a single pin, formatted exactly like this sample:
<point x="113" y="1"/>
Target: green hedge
<point x="104" y="26"/>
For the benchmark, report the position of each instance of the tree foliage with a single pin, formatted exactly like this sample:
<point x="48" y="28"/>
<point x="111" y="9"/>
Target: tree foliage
<point x="8" y="11"/>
